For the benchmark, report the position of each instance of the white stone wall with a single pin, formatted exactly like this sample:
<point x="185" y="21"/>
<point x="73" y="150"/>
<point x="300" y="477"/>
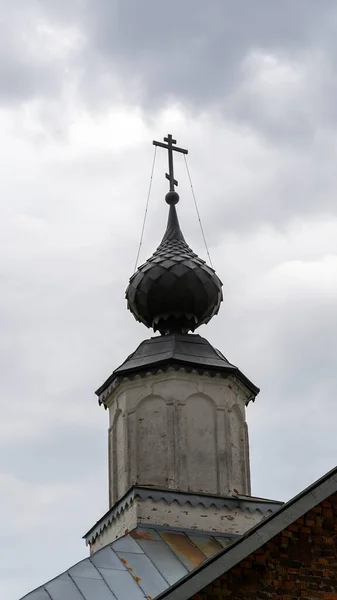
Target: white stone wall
<point x="193" y="518"/>
<point x="181" y="431"/>
<point x="212" y="519"/>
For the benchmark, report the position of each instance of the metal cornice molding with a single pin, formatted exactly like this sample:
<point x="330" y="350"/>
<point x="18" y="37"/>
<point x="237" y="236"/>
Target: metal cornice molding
<point x="205" y="500"/>
<point x="183" y="499"/>
<point x="109" y="516"/>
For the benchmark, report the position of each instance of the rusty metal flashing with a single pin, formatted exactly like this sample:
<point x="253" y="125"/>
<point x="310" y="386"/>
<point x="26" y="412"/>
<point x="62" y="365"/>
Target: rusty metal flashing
<point x="191" y="532"/>
<point x="243" y="503"/>
<point x="253" y="539"/>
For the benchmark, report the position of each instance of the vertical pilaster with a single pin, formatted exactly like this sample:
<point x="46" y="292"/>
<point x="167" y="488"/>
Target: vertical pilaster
<point x="181" y="443"/>
<point x="221" y="451"/>
<point x="171" y="454"/>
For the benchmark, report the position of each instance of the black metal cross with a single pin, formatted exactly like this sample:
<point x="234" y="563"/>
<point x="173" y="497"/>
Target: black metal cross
<point x="169" y="146"/>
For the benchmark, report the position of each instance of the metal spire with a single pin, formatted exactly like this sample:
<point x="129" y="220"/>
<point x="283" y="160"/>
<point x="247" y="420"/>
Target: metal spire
<point x="170" y="147"/>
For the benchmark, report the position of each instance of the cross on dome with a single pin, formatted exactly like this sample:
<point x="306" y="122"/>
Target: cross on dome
<point x="170" y="146"/>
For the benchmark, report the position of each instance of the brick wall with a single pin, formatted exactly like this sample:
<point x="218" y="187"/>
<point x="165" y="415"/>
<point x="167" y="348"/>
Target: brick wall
<point x="300" y="562"/>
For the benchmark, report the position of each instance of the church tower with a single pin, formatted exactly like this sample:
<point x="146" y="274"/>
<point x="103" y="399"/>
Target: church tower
<point x="179" y="481"/>
<point x="178" y="440"/>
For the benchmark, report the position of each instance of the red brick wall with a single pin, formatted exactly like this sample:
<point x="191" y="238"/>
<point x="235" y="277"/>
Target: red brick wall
<point x="300" y="562"/>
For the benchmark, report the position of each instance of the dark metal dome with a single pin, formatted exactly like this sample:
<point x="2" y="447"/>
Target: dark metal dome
<point x="174" y="291"/>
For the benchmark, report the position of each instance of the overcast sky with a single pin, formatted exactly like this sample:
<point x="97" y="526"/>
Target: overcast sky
<point x="85" y="86"/>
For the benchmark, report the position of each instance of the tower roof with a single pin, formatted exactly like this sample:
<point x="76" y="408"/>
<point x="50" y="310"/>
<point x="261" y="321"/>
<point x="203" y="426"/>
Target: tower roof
<point x="189" y="351"/>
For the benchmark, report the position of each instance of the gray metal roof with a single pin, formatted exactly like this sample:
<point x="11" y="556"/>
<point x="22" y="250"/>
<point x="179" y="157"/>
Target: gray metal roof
<point x="287" y="514"/>
<point x="139" y="565"/>
<point x="169" y="564"/>
<point x="188" y="350"/>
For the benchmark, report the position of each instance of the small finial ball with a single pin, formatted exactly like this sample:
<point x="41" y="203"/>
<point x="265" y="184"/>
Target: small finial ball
<point x="172" y="198"/>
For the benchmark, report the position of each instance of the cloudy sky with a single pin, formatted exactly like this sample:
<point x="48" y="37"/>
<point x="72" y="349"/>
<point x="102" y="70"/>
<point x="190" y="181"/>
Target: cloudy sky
<point x="85" y="86"/>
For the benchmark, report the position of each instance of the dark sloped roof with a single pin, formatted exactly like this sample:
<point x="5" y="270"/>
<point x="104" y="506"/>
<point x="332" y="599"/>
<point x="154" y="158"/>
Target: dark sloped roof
<point x="139" y="565"/>
<point x="254" y="538"/>
<point x="188" y="350"/>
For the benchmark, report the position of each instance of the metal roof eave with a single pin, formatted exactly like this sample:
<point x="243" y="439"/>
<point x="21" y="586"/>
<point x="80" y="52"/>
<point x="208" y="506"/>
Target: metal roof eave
<point x="188" y="365"/>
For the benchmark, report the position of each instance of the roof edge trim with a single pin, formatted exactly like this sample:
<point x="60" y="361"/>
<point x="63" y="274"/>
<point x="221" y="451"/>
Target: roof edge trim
<point x="164" y="365"/>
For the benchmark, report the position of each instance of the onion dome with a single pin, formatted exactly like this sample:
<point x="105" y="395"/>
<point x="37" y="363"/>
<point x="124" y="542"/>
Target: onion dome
<point x="174" y="291"/>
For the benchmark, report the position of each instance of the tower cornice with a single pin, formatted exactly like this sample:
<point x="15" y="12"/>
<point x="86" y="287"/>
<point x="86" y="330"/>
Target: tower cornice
<point x="176" y="351"/>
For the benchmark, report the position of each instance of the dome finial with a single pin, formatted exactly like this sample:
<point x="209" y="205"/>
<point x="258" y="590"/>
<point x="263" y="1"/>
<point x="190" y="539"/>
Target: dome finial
<point x="174" y="291"/>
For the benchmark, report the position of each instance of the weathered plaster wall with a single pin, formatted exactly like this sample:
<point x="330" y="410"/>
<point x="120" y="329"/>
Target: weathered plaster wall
<point x="159" y="513"/>
<point x="220" y="520"/>
<point x="181" y="431"/>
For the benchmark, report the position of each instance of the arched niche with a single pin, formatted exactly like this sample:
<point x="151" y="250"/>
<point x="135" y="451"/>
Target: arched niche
<point x="201" y="444"/>
<point x="152" y="441"/>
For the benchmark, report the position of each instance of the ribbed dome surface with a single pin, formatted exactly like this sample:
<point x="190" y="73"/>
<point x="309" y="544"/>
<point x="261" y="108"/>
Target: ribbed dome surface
<point x="174" y="291"/>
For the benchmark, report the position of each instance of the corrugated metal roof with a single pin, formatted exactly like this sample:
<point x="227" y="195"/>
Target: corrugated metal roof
<point x="142" y="564"/>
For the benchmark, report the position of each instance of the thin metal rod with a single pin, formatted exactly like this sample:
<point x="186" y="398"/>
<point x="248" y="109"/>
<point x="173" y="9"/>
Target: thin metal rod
<point x="198" y="214"/>
<point x="146" y="209"/>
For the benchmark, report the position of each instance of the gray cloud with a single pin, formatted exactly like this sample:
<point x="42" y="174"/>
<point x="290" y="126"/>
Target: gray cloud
<point x="148" y="54"/>
<point x="249" y="88"/>
<point x="194" y="53"/>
